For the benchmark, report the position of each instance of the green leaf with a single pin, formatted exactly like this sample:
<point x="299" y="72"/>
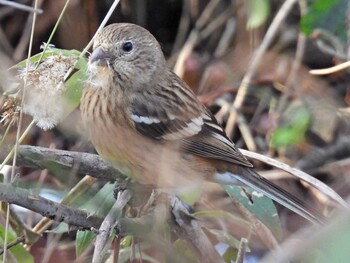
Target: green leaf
<point x="262" y="207"/>
<point x="99" y="204"/>
<point x="258" y="12"/>
<point x="230" y="254"/>
<point x="83" y="240"/>
<point x="49" y="52"/>
<point x="126" y="242"/>
<point x="102" y="202"/>
<point x="325" y="14"/>
<point x="297" y="120"/>
<point x="285" y="136"/>
<point x="75" y="84"/>
<point x="18" y="251"/>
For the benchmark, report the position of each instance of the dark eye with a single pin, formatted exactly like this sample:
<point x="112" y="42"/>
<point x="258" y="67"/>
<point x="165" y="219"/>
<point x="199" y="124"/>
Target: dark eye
<point x="127" y="46"/>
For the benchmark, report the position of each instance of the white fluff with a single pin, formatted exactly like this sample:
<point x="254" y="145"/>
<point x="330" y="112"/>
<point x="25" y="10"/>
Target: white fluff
<point x="44" y="99"/>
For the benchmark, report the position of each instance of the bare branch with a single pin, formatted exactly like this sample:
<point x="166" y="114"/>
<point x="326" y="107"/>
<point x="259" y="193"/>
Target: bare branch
<point x="48" y="208"/>
<point x="82" y="163"/>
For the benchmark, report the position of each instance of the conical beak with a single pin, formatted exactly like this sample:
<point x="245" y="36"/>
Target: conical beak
<point x="99" y="56"/>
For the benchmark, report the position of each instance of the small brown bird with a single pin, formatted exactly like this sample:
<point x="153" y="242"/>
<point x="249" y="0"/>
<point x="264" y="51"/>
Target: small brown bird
<point x="146" y="121"/>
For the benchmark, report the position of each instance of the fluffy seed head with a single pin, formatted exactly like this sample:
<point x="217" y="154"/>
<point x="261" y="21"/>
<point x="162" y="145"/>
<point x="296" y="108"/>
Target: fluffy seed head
<point x="44" y="91"/>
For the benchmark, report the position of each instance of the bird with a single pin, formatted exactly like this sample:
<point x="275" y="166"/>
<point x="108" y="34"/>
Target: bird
<point x="147" y="122"/>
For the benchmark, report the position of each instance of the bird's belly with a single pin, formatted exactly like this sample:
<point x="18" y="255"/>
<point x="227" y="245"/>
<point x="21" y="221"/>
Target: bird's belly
<point x="148" y="161"/>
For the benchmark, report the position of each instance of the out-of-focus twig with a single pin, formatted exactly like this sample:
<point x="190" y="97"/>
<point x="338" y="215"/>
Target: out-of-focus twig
<point x="189" y="229"/>
<point x="183" y="26"/>
<point x="242" y="125"/>
<point x="110" y="221"/>
<point x="242" y="250"/>
<point x="25" y="37"/>
<point x="331" y="70"/>
<point x="347" y="23"/>
<point x="226" y="37"/>
<point x="21" y="6"/>
<point x="319" y="157"/>
<point x="289" y="86"/>
<point x="328" y="43"/>
<point x="194" y="36"/>
<point x="243" y="89"/>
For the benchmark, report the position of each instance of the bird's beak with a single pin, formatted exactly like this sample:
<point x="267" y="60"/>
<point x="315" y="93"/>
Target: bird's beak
<point x="99" y="56"/>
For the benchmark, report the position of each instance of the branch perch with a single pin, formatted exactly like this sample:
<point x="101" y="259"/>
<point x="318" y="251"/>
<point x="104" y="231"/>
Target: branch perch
<point x="48" y="208"/>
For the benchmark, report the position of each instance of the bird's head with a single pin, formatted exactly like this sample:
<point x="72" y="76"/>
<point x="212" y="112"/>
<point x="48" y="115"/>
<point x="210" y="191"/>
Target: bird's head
<point x="129" y="53"/>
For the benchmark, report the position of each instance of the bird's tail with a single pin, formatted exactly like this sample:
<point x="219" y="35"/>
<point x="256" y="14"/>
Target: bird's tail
<point x="249" y="177"/>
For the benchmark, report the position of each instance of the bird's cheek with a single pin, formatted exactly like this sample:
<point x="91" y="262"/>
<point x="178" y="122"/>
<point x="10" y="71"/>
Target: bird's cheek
<point x="99" y="77"/>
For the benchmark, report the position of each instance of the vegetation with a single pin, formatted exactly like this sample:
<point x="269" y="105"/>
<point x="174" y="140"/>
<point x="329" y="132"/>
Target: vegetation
<point x="249" y="62"/>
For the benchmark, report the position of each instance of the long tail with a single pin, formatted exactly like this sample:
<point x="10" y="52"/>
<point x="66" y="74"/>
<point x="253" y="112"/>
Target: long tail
<point x="252" y="179"/>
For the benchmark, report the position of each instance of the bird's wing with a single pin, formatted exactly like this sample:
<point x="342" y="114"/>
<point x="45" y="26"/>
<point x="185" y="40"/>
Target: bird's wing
<point x="175" y="114"/>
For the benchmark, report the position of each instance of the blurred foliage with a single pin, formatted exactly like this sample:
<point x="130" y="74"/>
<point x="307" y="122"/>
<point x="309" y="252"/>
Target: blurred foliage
<point x="325" y="14"/>
<point x="258" y="12"/>
<point x="329" y="245"/>
<point x="163" y="19"/>
<point x="18" y="251"/>
<point x="292" y="130"/>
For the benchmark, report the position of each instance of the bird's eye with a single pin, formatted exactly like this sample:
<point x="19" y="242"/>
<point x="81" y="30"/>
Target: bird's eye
<point x="127" y="46"/>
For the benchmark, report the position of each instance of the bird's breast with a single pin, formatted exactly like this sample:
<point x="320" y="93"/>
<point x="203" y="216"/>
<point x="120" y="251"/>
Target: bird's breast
<point x="147" y="160"/>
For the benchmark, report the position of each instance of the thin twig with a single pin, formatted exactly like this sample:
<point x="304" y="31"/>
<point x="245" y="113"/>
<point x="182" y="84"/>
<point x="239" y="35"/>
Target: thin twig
<point x="226" y="37"/>
<point x="242" y="250"/>
<point x="331" y="70"/>
<point x="102" y="25"/>
<point x="53" y="31"/>
<point x="347" y="25"/>
<point x="189" y="229"/>
<point x="322" y="187"/>
<point x="289" y="86"/>
<point x="110" y="221"/>
<point x="19" y="130"/>
<point x="258" y="55"/>
<point x="13" y="243"/>
<point x="25" y="37"/>
<point x="183" y="26"/>
<point x="194" y="36"/>
<point x="318" y="157"/>
<point x="21" y="6"/>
